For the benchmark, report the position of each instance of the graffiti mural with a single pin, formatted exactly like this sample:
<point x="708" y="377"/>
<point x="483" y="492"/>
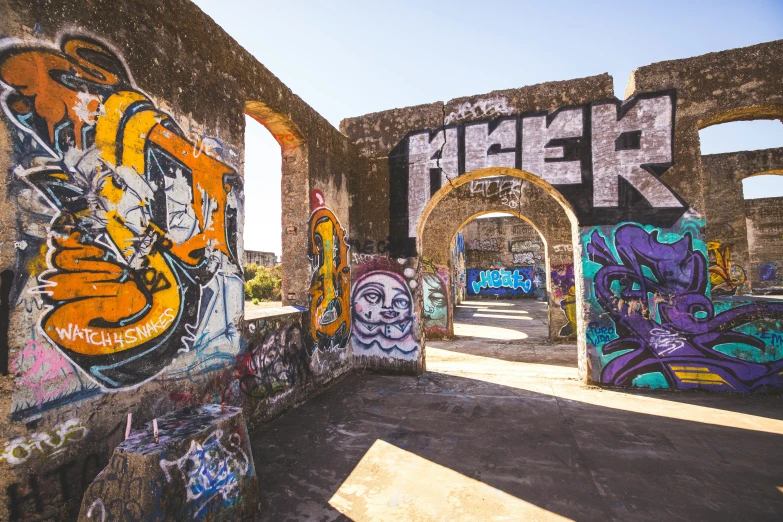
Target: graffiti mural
<point x="583" y="151"/>
<point x="436" y="301"/>
<point x="666" y="330"/>
<point x="725" y="276"/>
<point x="459" y="280"/>
<point x="212" y="470"/>
<point x="330" y="283"/>
<point x="565" y="295"/>
<point x="501" y="281"/>
<point x="274" y="362"/>
<point x="383" y="314"/>
<point x="143" y="217"/>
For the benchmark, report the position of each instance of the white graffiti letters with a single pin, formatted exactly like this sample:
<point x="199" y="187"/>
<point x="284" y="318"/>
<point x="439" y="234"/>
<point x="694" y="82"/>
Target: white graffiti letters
<point x="44" y="443"/>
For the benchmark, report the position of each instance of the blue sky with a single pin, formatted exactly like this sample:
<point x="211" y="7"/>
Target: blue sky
<point x="348" y="58"/>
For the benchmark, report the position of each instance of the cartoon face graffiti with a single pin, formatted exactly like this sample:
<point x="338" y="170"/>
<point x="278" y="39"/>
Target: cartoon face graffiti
<point x="142" y="216"/>
<point x="330" y="285"/>
<point x="383" y="316"/>
<point x="436" y="302"/>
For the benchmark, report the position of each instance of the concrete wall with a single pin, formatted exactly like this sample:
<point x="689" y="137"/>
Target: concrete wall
<point x="630" y="179"/>
<point x="121" y="220"/>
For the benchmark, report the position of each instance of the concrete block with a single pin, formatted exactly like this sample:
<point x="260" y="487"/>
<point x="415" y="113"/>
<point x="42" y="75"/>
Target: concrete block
<point x="200" y="468"/>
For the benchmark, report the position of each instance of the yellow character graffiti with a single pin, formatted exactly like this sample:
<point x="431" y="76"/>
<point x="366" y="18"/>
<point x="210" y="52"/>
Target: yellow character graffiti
<point x="330" y="285"/>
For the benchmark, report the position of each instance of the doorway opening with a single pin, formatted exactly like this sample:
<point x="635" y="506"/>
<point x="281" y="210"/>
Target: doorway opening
<point x="499" y="263"/>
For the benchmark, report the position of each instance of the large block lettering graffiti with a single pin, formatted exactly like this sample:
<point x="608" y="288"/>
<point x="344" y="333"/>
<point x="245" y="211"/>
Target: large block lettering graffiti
<point x="605" y="158"/>
<point x="383" y="316"/>
<point x="502" y="281"/>
<point x="667" y="332"/>
<point x="143" y="217"/>
<point x="330" y="284"/>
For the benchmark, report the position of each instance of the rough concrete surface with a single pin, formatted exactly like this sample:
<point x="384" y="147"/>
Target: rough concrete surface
<point x="515" y="436"/>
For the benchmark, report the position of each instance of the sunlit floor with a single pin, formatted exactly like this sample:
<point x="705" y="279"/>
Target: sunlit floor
<point x="502" y="320"/>
<point x="505" y="431"/>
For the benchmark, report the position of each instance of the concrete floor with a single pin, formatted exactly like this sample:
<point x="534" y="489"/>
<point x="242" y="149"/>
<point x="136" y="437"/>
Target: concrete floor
<point x="503" y="430"/>
<point x="502" y="320"/>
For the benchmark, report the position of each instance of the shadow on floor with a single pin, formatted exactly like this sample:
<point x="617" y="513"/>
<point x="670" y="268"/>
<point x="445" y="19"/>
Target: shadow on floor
<point x="477" y="438"/>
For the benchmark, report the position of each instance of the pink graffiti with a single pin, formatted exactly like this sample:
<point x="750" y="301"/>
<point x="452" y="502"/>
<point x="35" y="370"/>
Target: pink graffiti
<point x="44" y="370"/>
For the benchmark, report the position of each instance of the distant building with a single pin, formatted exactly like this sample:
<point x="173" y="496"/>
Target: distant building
<point x="268" y="259"/>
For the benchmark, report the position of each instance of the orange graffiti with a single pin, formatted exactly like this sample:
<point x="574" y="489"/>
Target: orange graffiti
<point x="44" y="75"/>
<point x="128" y="246"/>
<point x="330" y="287"/>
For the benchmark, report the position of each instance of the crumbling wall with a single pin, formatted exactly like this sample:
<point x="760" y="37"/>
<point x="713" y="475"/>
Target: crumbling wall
<point x="631" y="176"/>
<point x="764" y="218"/>
<point x="726" y="211"/>
<point x="121" y="147"/>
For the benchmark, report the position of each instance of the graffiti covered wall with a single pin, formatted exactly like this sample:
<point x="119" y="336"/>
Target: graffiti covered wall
<point x="122" y="206"/>
<point x="631" y="179"/>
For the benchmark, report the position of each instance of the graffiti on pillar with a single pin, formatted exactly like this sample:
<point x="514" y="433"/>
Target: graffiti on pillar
<point x="435" y="300"/>
<point x="458" y="281"/>
<point x="565" y="295"/>
<point x="141" y="217"/>
<point x="330" y="283"/>
<point x="383" y="320"/>
<point x="726" y="277"/>
<point x="653" y="286"/>
<point x="605" y="158"/>
<point x="501" y="281"/>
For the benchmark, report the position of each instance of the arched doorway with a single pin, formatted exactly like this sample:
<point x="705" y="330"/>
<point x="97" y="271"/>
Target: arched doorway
<point x="527" y="197"/>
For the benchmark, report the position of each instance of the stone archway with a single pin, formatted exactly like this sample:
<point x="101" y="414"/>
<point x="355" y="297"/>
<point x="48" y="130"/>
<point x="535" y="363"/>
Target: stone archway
<point x="525" y="196"/>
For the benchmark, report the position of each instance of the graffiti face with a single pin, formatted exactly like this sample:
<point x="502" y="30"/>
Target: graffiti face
<point x="436" y="301"/>
<point x="666" y="326"/>
<point x="383" y="316"/>
<point x="330" y="313"/>
<point x="142" y="216"/>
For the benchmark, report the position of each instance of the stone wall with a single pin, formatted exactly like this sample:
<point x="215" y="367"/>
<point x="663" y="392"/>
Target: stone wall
<point x="628" y="176"/>
<point x="121" y="220"/>
<point x="729" y="217"/>
<point x="764" y="218"/>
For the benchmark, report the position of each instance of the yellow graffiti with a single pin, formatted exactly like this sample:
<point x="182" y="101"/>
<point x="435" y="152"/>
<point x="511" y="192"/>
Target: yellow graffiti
<point x="723" y="272"/>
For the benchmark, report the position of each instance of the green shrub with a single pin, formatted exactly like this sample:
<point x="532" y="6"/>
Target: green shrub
<point x="265" y="283"/>
<point x="250" y="271"/>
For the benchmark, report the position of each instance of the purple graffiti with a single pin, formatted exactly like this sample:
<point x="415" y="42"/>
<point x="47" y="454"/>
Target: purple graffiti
<point x="680" y="344"/>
